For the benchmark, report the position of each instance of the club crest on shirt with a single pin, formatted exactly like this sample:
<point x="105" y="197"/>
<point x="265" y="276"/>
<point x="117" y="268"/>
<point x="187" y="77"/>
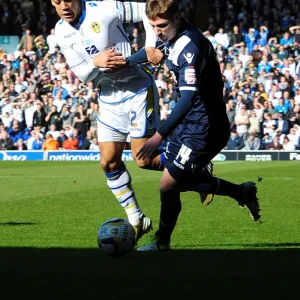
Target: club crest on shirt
<point x="96" y="27"/>
<point x="189" y="57"/>
<point x="190" y="75"/>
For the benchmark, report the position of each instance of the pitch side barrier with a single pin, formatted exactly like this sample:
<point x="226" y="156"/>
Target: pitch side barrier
<point x="95" y="155"/>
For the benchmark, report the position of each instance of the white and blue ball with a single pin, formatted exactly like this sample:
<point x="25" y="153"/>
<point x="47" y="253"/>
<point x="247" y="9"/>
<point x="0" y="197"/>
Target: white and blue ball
<point x="116" y="237"/>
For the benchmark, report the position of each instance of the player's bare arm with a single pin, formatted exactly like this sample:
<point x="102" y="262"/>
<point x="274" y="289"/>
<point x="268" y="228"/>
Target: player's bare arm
<point x="109" y="59"/>
<point x="154" y="55"/>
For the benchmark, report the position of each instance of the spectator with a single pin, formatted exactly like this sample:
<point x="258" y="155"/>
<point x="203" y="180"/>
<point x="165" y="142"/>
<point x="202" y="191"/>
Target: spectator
<point x="222" y="38"/>
<point x="231" y="113"/>
<point x="63" y="92"/>
<point x="252" y="143"/>
<point x="54" y="132"/>
<point x="242" y="123"/>
<point x="39" y="116"/>
<point x="50" y="143"/>
<point x="94" y="145"/>
<point x="254" y="123"/>
<point x="51" y="42"/>
<point x="281" y="107"/>
<point x="78" y="136"/>
<point x="160" y="83"/>
<point x="37" y="143"/>
<point x="274" y="145"/>
<point x="282" y="125"/>
<point x="7" y="120"/>
<point x="31" y="139"/>
<point x="66" y="116"/>
<point x="236" y="37"/>
<point x="53" y="118"/>
<point x="263" y="36"/>
<point x="286" y="40"/>
<point x="87" y="141"/>
<point x="20" y="146"/>
<point x="266" y="140"/>
<point x="5" y="141"/>
<point x="15" y="133"/>
<point x="287" y="144"/>
<point x="250" y="39"/>
<point x="93" y="115"/>
<point x="27" y="41"/>
<point x="235" y="142"/>
<point x="62" y="137"/>
<point x="294" y="137"/>
<point x="269" y="125"/>
<point x="70" y="143"/>
<point x="80" y="120"/>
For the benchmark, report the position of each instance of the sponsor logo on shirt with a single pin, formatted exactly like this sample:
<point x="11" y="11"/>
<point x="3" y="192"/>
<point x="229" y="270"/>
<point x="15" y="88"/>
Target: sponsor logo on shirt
<point x="190" y="75"/>
<point x="69" y="35"/>
<point x="96" y="27"/>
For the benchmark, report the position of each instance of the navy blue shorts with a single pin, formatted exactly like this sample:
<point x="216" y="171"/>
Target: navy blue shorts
<point x="192" y="147"/>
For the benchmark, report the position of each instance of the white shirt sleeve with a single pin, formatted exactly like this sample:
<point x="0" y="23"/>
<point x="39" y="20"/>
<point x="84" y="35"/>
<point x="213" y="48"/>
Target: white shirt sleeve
<point x="133" y="12"/>
<point x="130" y="12"/>
<point x="84" y="69"/>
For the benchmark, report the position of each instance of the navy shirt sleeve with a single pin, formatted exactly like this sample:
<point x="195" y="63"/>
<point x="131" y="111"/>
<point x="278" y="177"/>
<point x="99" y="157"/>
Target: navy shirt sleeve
<point x="191" y="63"/>
<point x="141" y="56"/>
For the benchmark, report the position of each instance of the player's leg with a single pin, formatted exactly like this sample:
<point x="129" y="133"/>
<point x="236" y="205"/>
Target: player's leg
<point x="178" y="166"/>
<point x="155" y="162"/>
<point x="144" y="118"/>
<point x="169" y="212"/>
<point x="143" y="111"/>
<point x="111" y="145"/>
<point x="244" y="194"/>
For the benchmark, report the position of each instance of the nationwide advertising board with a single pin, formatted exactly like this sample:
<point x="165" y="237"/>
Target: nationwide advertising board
<point x="95" y="155"/>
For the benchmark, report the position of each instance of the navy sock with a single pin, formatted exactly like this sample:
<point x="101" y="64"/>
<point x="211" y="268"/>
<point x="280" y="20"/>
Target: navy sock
<point x="169" y="212"/>
<point x="204" y="183"/>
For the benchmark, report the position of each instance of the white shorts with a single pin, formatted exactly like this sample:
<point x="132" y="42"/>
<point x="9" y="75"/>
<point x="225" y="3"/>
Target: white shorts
<point x="137" y="117"/>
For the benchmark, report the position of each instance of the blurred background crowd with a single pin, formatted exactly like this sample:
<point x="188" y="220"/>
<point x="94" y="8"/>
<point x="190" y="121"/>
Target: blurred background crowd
<point x="43" y="106"/>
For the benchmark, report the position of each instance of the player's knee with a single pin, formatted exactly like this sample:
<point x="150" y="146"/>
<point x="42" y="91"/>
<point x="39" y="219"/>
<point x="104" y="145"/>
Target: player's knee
<point x="165" y="187"/>
<point x="109" y="165"/>
<point x="143" y="163"/>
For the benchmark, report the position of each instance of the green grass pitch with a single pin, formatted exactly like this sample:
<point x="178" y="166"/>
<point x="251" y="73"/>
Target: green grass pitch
<point x="50" y="213"/>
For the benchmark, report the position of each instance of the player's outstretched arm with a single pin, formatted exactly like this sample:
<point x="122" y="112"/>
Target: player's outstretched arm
<point x="133" y="12"/>
<point x="149" y="54"/>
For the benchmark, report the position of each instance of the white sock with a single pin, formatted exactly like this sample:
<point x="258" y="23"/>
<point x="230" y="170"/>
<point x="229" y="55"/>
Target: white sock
<point x="119" y="183"/>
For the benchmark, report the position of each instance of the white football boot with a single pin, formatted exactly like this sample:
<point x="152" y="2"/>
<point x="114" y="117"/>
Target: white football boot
<point x="144" y="226"/>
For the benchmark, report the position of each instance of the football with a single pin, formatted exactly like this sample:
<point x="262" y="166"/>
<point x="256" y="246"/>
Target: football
<point x="116" y="237"/>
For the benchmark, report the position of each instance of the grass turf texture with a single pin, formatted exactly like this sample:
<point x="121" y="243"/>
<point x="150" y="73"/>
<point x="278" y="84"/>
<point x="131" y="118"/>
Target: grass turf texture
<point x="50" y="213"/>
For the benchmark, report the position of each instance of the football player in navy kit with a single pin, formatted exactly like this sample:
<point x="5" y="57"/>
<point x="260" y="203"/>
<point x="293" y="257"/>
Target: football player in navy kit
<point x="199" y="122"/>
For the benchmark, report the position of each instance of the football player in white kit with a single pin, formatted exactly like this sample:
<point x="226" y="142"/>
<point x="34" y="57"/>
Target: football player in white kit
<point x="92" y="38"/>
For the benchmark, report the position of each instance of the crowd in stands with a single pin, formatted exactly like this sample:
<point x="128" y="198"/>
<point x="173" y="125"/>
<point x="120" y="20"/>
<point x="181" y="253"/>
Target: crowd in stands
<point x="43" y="106"/>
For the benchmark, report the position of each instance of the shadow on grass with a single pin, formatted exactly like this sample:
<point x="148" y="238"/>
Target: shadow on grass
<point x="32" y="273"/>
<point x="17" y="223"/>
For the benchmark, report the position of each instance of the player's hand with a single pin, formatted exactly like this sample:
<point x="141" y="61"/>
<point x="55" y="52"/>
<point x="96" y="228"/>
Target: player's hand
<point x="109" y="59"/>
<point x="154" y="56"/>
<point x="150" y="146"/>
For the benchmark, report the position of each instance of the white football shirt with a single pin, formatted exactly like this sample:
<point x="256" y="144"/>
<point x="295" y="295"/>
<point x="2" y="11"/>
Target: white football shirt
<point x="101" y="27"/>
